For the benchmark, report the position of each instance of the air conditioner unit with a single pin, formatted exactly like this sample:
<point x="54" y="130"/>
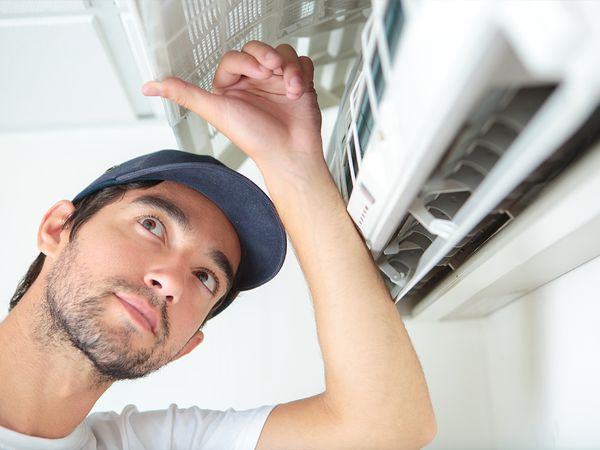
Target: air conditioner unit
<point x="466" y="138"/>
<point x="466" y="146"/>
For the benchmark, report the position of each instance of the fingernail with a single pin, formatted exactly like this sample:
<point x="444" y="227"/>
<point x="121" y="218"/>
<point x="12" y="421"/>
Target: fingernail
<point x="152" y="88"/>
<point x="271" y="55"/>
<point x="296" y="81"/>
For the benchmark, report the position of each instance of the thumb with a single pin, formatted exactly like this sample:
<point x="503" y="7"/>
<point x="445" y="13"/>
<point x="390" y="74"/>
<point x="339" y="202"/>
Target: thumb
<point x="187" y="95"/>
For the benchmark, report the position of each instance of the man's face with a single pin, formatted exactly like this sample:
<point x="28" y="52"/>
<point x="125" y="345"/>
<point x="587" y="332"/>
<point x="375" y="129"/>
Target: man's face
<point x="140" y="277"/>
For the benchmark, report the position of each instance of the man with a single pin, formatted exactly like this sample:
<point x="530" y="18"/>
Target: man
<point x="124" y="287"/>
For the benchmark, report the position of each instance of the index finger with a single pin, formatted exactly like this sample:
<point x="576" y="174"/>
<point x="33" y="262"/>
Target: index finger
<point x="234" y="65"/>
<point x="206" y="105"/>
<point x="256" y="60"/>
<point x="266" y="55"/>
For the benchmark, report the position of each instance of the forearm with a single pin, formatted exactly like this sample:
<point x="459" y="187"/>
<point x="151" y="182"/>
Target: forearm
<point x="373" y="376"/>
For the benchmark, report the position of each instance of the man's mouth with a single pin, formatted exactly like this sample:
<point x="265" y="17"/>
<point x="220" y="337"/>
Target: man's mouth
<point x="140" y="310"/>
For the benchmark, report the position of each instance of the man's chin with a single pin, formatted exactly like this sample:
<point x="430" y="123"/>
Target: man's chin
<point x="120" y="352"/>
<point x="124" y="365"/>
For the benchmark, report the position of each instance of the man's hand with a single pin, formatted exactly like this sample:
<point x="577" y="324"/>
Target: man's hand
<point x="262" y="99"/>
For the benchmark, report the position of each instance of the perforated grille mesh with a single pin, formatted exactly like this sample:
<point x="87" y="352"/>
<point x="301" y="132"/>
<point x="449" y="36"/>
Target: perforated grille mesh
<point x="186" y="38"/>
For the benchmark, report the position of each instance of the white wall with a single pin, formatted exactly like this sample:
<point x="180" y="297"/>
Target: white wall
<point x="544" y="366"/>
<point x="525" y="377"/>
<point x="453" y="356"/>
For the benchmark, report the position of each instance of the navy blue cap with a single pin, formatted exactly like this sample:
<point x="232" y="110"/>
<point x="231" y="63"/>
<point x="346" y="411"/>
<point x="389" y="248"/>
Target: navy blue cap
<point x="250" y="211"/>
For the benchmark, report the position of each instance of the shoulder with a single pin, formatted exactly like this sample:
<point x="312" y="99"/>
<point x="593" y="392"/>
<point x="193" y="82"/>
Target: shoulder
<point x="176" y="427"/>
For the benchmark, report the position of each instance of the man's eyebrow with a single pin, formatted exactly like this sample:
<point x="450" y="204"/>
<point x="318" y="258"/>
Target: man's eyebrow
<point x="223" y="263"/>
<point x="167" y="206"/>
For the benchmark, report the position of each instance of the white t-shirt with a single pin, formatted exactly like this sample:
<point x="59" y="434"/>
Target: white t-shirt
<point x="173" y="428"/>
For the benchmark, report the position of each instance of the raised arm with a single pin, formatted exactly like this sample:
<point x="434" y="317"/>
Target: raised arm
<point x="376" y="395"/>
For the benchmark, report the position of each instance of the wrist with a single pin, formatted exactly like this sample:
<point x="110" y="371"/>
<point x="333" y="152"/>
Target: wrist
<point x="297" y="170"/>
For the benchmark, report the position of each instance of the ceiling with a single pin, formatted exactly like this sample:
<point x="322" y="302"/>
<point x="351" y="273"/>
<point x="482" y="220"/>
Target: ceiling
<point x="68" y="64"/>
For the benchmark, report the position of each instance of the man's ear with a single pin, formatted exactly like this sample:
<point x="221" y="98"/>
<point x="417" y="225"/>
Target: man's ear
<point x="50" y="237"/>
<point x="194" y="341"/>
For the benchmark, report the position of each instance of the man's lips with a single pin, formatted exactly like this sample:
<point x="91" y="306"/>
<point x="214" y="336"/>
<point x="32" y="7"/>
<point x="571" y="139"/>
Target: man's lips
<point x="142" y="310"/>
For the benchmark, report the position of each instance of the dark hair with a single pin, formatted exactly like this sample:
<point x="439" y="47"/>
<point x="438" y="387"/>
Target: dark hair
<point x="84" y="210"/>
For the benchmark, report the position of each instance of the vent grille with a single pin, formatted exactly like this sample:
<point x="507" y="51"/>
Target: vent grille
<point x="187" y="38"/>
<point x="484" y="138"/>
<point x="511" y="207"/>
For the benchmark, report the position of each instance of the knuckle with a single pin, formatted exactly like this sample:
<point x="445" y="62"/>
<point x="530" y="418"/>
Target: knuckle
<point x="286" y="49"/>
<point x="175" y="90"/>
<point x="167" y="87"/>
<point x="251" y="44"/>
<point x="306" y="60"/>
<point x="230" y="54"/>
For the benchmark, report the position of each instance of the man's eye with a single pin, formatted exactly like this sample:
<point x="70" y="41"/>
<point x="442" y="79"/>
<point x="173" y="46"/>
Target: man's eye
<point x="208" y="279"/>
<point x="152" y="225"/>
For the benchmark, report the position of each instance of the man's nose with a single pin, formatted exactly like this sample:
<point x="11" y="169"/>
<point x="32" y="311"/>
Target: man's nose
<point x="166" y="282"/>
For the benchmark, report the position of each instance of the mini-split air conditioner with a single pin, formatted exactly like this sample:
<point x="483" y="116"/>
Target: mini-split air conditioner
<point x="466" y="146"/>
<point x="466" y="142"/>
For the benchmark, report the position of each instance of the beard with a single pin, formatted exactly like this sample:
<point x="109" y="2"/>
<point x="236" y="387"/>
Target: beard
<point x="74" y="311"/>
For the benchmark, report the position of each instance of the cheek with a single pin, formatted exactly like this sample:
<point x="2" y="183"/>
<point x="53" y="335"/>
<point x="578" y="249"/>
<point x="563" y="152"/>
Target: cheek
<point x="112" y="253"/>
<point x="185" y="318"/>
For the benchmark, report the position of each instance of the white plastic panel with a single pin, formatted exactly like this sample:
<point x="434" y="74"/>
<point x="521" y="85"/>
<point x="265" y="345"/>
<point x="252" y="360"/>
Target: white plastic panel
<point x="20" y="7"/>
